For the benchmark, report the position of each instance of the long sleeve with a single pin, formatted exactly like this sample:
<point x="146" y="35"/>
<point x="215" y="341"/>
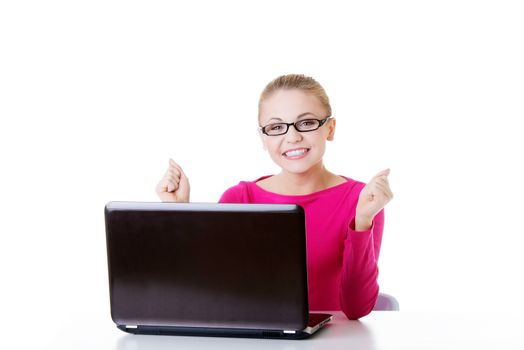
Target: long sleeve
<point x="358" y="284"/>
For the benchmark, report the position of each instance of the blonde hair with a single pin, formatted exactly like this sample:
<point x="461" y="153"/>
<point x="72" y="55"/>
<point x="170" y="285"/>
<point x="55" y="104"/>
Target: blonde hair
<point x="295" y="81"/>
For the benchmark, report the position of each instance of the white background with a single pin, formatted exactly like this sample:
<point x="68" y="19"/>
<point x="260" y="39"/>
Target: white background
<point x="95" y="96"/>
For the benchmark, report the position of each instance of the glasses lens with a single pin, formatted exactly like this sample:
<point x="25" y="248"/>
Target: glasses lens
<point x="307" y="125"/>
<point x="275" y="129"/>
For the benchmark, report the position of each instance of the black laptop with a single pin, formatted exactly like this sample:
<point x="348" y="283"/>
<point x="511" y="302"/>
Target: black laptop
<point x="209" y="269"/>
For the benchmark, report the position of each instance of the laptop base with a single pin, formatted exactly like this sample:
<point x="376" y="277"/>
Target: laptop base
<point x="232" y="332"/>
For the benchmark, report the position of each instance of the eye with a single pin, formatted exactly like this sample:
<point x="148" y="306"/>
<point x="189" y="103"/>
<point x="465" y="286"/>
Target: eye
<point x="307" y="123"/>
<point x="275" y="127"/>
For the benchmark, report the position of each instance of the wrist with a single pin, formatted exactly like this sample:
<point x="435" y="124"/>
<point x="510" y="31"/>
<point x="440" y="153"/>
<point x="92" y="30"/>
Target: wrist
<point x="363" y="223"/>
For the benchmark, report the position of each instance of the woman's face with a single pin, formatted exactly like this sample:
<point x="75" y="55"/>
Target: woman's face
<point x="295" y="151"/>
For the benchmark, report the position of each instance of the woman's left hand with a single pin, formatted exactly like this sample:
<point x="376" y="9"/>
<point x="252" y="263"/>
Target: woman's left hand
<point x="373" y="197"/>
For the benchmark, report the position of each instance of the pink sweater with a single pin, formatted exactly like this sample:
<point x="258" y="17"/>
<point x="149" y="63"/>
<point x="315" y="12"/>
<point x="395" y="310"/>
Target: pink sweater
<point x="342" y="262"/>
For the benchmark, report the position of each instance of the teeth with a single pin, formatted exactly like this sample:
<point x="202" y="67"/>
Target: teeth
<point x="296" y="152"/>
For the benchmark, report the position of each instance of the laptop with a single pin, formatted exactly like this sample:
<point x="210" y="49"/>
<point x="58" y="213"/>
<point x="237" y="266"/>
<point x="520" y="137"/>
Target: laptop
<point x="209" y="269"/>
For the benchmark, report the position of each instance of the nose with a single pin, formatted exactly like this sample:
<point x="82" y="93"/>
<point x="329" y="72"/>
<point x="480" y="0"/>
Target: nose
<point x="293" y="135"/>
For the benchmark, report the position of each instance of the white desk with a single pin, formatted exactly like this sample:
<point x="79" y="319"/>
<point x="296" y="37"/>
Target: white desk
<point x="379" y="330"/>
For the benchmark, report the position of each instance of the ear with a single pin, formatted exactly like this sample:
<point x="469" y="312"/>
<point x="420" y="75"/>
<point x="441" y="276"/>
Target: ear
<point x="332" y="123"/>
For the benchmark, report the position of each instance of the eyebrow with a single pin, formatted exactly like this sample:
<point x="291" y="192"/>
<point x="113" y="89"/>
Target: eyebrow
<point x="299" y="116"/>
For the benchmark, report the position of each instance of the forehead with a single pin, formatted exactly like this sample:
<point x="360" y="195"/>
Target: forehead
<point x="289" y="104"/>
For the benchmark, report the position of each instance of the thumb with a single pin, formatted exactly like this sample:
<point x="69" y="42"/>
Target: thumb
<point x="383" y="172"/>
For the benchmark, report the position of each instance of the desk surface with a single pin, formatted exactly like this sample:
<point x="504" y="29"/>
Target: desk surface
<point x="379" y="330"/>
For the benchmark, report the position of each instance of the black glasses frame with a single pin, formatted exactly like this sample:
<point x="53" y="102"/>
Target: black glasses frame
<point x="320" y="123"/>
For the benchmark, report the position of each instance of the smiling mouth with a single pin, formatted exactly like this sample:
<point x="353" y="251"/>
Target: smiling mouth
<point x="296" y="152"/>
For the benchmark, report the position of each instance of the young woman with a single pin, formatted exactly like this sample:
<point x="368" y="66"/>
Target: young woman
<point x="344" y="217"/>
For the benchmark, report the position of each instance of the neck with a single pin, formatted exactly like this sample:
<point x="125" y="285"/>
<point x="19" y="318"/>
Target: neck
<point x="315" y="179"/>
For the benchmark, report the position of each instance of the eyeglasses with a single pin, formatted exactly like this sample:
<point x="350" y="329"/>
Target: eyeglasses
<point x="304" y="125"/>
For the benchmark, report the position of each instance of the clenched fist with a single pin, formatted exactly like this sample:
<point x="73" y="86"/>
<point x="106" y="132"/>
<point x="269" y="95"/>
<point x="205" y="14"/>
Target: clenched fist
<point x="373" y="197"/>
<point x="174" y="186"/>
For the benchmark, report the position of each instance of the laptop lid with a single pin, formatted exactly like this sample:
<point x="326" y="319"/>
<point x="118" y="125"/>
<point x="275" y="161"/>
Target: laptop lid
<point x="207" y="265"/>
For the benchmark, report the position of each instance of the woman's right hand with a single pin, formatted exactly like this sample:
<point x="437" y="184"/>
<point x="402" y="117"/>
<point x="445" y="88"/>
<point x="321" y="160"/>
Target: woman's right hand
<point x="174" y="186"/>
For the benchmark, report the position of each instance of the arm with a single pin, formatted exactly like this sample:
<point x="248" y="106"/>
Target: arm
<point x="358" y="284"/>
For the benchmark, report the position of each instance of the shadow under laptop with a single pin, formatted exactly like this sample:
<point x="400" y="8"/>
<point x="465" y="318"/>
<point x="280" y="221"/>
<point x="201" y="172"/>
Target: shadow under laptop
<point x="343" y="334"/>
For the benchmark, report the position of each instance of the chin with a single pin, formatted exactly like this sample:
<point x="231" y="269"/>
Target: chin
<point x="296" y="169"/>
<point x="296" y="166"/>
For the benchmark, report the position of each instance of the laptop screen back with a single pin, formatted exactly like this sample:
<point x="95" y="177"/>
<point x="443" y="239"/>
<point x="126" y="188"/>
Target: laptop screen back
<point x="207" y="265"/>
